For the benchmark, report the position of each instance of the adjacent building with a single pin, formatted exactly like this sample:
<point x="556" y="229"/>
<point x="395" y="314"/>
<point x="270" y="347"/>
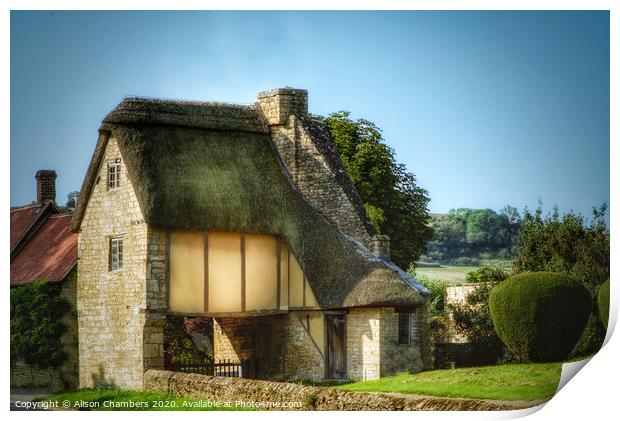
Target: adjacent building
<point x="44" y="248"/>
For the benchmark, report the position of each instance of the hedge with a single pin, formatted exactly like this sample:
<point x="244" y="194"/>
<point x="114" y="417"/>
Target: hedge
<point x="540" y="315"/>
<point x="602" y="301"/>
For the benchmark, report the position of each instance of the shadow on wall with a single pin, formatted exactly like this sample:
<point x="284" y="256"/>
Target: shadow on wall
<point x="99" y="380"/>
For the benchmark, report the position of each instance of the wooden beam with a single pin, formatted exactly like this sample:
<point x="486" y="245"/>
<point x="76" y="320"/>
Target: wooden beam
<point x="242" y="245"/>
<point x="206" y="272"/>
<point x="279" y="272"/>
<point x="167" y="270"/>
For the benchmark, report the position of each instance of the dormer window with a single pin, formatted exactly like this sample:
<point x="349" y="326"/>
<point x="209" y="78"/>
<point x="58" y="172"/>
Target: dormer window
<point x="114" y="174"/>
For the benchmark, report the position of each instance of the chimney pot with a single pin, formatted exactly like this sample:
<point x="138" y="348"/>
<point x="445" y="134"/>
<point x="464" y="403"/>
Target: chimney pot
<point x="381" y="246"/>
<point x="46" y="186"/>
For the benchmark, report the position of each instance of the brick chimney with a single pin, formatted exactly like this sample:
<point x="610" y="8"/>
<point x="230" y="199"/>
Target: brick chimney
<point x="46" y="186"/>
<point x="278" y="104"/>
<point x="380" y="246"/>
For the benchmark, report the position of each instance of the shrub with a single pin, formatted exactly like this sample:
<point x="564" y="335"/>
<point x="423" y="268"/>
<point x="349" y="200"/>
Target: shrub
<point x="37" y="325"/>
<point x="486" y="274"/>
<point x="465" y="261"/>
<point x="591" y="339"/>
<point x="437" y="316"/>
<point x="472" y="320"/>
<point x="540" y="315"/>
<point x="602" y="300"/>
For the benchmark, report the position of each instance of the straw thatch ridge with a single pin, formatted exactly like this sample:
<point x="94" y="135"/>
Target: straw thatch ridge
<point x="230" y="180"/>
<point x="206" y="115"/>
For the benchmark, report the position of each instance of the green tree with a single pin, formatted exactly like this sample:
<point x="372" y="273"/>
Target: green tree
<point x="395" y="204"/>
<point x="72" y="199"/>
<point x="568" y="244"/>
<point x="470" y="233"/>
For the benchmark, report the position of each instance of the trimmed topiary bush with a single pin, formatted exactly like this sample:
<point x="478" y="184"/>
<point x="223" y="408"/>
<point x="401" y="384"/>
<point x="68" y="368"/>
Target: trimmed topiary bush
<point x="540" y="315"/>
<point x="602" y="300"/>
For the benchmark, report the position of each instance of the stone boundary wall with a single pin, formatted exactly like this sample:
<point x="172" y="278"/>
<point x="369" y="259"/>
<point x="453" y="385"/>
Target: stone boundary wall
<point x="24" y="375"/>
<point x="226" y="389"/>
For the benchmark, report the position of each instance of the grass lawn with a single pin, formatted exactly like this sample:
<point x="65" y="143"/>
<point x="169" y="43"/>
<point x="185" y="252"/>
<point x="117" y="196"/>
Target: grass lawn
<point x="117" y="400"/>
<point x="452" y="274"/>
<point x="517" y="382"/>
<point x="456" y="274"/>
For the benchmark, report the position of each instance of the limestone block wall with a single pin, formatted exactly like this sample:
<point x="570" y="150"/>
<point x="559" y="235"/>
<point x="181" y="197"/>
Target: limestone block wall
<point x="303" y="360"/>
<point x="364" y="343"/>
<point x="308" y="154"/>
<point x="112" y="305"/>
<point x="373" y="350"/>
<point x="65" y="376"/>
<point x="266" y="395"/>
<point x="156" y="301"/>
<point x="279" y="346"/>
<point x="396" y="357"/>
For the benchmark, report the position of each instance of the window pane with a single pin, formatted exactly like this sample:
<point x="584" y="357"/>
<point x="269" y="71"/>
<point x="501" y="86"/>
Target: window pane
<point x="403" y="328"/>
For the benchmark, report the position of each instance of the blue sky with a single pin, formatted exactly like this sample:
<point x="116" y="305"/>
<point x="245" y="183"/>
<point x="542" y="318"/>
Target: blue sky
<point x="485" y="108"/>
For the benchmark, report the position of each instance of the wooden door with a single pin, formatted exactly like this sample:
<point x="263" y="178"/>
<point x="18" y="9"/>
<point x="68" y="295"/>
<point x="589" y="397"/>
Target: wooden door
<point x="336" y="352"/>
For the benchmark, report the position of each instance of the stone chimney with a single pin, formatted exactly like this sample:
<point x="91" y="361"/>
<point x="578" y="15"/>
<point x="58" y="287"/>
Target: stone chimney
<point x="46" y="186"/>
<point x="278" y="104"/>
<point x="380" y="246"/>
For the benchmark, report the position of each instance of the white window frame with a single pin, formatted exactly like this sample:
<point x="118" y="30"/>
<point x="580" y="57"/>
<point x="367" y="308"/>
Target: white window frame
<point x="116" y="254"/>
<point x="114" y="174"/>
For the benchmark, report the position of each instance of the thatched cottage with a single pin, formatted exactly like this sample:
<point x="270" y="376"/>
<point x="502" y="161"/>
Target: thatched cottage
<point x="243" y="213"/>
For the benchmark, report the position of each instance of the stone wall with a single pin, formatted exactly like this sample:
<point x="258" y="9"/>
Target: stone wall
<point x="112" y="305"/>
<point x="289" y="396"/>
<point x="281" y="347"/>
<point x="364" y="343"/>
<point x="373" y="350"/>
<point x="414" y="357"/>
<point x="60" y="378"/>
<point x="308" y="154"/>
<point x="277" y="347"/>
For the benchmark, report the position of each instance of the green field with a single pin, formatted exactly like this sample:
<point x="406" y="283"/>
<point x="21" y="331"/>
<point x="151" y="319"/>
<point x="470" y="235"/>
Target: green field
<point x="456" y="274"/>
<point x="514" y="382"/>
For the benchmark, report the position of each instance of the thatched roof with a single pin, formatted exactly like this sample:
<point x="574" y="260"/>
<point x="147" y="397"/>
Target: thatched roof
<point x="208" y="166"/>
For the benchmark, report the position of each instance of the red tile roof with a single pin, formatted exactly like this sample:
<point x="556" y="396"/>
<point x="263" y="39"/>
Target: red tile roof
<point x="50" y="253"/>
<point x="21" y="219"/>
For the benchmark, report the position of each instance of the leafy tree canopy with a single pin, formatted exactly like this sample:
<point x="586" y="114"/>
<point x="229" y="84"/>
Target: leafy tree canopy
<point x="473" y="233"/>
<point x="394" y="203"/>
<point x="566" y="244"/>
<point x="572" y="245"/>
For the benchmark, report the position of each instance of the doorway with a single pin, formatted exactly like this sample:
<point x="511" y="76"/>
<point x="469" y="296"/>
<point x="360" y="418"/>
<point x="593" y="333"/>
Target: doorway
<point x="336" y="352"/>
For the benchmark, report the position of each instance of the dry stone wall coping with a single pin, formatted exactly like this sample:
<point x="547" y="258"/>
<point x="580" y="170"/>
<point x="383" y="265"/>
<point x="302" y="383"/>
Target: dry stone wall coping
<point x="311" y="397"/>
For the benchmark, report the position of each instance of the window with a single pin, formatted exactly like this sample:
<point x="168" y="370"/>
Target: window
<point x="114" y="174"/>
<point x="404" y="324"/>
<point x="116" y="253"/>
